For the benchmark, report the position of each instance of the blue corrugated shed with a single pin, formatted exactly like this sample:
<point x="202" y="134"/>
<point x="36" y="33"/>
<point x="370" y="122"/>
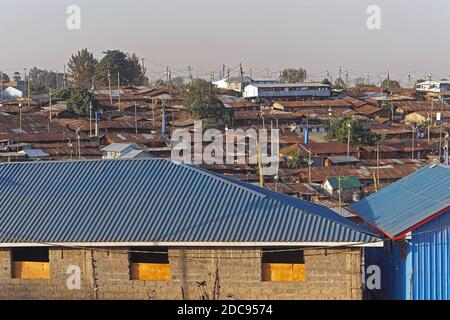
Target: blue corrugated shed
<point x="415" y="213"/>
<point x="408" y="202"/>
<point x="154" y="200"/>
<point x="430" y="260"/>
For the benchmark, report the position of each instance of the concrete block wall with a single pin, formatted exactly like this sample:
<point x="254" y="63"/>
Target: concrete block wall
<point x="226" y="273"/>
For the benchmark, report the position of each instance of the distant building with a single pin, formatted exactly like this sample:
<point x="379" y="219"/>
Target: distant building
<point x="433" y="86"/>
<point x="287" y="91"/>
<point x="12" y="93"/>
<point x="124" y="151"/>
<point x="348" y="187"/>
<point x="238" y="83"/>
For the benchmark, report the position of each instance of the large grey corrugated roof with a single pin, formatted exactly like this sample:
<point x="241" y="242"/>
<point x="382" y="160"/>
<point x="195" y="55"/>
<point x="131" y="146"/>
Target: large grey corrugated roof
<point x="153" y="201"/>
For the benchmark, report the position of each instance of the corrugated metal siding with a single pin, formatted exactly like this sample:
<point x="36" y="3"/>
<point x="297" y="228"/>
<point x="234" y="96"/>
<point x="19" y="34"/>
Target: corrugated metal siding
<point x="153" y="200"/>
<point x="431" y="260"/>
<point x="394" y="273"/>
<point x="409" y="201"/>
<point x="425" y="273"/>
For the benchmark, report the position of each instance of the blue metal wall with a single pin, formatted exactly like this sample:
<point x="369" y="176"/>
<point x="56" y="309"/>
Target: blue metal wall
<point x="419" y="269"/>
<point x="394" y="269"/>
<point x="431" y="260"/>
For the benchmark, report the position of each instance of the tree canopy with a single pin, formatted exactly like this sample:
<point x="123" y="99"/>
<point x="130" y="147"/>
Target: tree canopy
<point x="326" y="82"/>
<point x="338" y="131"/>
<point x="120" y="65"/>
<point x="200" y="99"/>
<point x="5" y="77"/>
<point x="82" y="68"/>
<point x="392" y="84"/>
<point x="291" y="75"/>
<point x="41" y="80"/>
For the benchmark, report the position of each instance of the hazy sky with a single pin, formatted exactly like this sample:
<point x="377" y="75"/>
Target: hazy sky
<point x="317" y="34"/>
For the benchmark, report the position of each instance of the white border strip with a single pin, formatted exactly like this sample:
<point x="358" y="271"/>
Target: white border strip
<point x="195" y="244"/>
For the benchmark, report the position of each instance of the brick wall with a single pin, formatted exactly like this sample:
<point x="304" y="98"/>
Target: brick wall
<point x="330" y="274"/>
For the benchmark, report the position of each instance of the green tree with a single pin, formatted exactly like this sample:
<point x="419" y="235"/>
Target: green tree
<point x="61" y="94"/>
<point x="79" y="102"/>
<point x="294" y="161"/>
<point x="339" y="129"/>
<point x="392" y="84"/>
<point x="339" y="84"/>
<point x="118" y="63"/>
<point x="16" y="76"/>
<point x="5" y="77"/>
<point x="326" y="82"/>
<point x="200" y="99"/>
<point x="82" y="68"/>
<point x="291" y="75"/>
<point x="41" y="80"/>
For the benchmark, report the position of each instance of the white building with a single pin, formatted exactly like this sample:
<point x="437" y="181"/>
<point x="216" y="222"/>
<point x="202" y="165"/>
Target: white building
<point x="124" y="151"/>
<point x="12" y="93"/>
<point x="288" y="91"/>
<point x="433" y="86"/>
<point x="236" y="83"/>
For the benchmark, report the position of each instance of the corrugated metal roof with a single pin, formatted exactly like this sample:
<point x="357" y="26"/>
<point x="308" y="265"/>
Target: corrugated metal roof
<point x="409" y="201"/>
<point x="153" y="201"/>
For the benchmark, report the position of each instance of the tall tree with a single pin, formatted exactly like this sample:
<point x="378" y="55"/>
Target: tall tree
<point x="5" y="77"/>
<point x="41" y="80"/>
<point x="339" y="83"/>
<point x="200" y="99"/>
<point x="291" y="75"/>
<point x="82" y="68"/>
<point x="392" y="84"/>
<point x="326" y="82"/>
<point x="16" y="76"/>
<point x="79" y="102"/>
<point x="120" y="65"/>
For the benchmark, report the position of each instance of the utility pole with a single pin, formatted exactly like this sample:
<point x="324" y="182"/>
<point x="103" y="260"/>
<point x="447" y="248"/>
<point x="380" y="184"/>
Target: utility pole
<point x="110" y="90"/>
<point x="191" y="79"/>
<point x="413" y="144"/>
<point x="27" y="80"/>
<point x="90" y="119"/>
<point x="339" y="192"/>
<point x="135" y="118"/>
<point x="118" y="89"/>
<point x="1" y="88"/>
<point x="446" y="150"/>
<point x="349" y="127"/>
<point x="50" y="103"/>
<point x="64" y="77"/>
<point x="143" y="65"/>
<point x="78" y="144"/>
<point x="378" y="167"/>
<point x="20" y="118"/>
<point x="241" y="74"/>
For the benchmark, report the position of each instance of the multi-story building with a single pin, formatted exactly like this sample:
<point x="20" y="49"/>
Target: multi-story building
<point x="287" y="91"/>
